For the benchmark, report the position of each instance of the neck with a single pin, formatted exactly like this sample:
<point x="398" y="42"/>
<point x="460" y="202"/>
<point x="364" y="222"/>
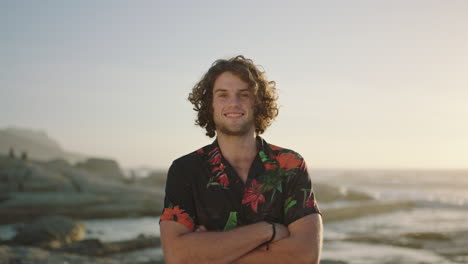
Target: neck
<point x="238" y="149"/>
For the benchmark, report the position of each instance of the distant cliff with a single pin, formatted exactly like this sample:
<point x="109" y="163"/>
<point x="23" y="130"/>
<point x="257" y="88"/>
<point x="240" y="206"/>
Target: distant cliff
<point x="37" y="145"/>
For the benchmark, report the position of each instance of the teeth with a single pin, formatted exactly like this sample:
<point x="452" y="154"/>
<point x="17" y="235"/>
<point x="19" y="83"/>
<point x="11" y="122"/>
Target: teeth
<point x="233" y="115"/>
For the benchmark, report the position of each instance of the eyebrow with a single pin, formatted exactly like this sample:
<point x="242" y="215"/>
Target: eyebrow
<point x="225" y="90"/>
<point x="220" y="90"/>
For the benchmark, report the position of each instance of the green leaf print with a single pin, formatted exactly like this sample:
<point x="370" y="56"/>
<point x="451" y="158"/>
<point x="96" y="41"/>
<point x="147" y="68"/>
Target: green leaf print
<point x="288" y="204"/>
<point x="305" y="195"/>
<point x="279" y="187"/>
<point x="231" y="222"/>
<point x="271" y="180"/>
<point x="263" y="156"/>
<point x="273" y="195"/>
<point x="212" y="183"/>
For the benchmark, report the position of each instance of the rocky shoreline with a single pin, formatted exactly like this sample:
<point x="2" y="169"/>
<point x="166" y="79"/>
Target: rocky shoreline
<point x="95" y="189"/>
<point x="30" y="255"/>
<point x="43" y="199"/>
<point x="451" y="245"/>
<point x="57" y="239"/>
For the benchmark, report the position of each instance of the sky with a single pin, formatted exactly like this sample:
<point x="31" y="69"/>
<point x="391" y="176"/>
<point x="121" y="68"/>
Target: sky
<point x="362" y="84"/>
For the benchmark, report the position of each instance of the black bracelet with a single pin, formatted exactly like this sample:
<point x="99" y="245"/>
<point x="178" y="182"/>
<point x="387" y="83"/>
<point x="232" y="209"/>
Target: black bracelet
<point x="272" y="237"/>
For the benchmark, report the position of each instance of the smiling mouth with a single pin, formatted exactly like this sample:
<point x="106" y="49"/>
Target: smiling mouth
<point x="233" y="114"/>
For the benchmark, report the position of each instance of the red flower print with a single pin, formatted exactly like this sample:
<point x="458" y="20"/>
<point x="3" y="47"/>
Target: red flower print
<point x="213" y="151"/>
<point x="310" y="202"/>
<point x="217" y="169"/>
<point x="223" y="180"/>
<point x="270" y="166"/>
<point x="216" y="159"/>
<point x="200" y="151"/>
<point x="289" y="161"/>
<point x="221" y="167"/>
<point x="178" y="215"/>
<point x="253" y="195"/>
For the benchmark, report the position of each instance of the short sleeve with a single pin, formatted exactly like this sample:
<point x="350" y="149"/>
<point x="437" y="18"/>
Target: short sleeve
<point x="299" y="196"/>
<point x="178" y="200"/>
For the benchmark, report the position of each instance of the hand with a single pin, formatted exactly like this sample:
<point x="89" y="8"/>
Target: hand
<point x="200" y="228"/>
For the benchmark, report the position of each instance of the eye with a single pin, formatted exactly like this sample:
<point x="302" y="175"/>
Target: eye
<point x="244" y="95"/>
<point x="222" y="95"/>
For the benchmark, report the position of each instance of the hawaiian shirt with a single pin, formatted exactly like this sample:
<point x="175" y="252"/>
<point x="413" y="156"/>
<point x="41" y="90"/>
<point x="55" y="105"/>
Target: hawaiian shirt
<point x="202" y="188"/>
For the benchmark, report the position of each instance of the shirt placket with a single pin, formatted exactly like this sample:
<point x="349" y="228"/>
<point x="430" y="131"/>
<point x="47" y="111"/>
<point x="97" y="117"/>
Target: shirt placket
<point x="255" y="170"/>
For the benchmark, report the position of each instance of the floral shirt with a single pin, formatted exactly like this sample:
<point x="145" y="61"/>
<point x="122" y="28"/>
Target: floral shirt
<point x="202" y="188"/>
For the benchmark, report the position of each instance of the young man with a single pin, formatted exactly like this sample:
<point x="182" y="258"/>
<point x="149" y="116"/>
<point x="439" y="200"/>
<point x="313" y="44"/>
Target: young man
<point x="240" y="199"/>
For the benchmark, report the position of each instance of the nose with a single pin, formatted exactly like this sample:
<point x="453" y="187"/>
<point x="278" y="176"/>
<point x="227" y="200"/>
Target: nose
<point x="234" y="99"/>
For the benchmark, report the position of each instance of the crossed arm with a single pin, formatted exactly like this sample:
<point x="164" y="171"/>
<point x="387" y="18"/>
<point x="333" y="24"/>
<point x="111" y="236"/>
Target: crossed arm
<point x="302" y="240"/>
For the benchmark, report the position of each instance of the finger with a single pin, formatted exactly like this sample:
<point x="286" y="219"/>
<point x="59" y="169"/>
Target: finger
<point x="200" y="229"/>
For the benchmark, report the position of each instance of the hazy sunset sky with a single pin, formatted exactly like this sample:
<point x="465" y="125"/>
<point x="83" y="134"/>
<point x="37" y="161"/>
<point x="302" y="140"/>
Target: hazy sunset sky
<point x="362" y="84"/>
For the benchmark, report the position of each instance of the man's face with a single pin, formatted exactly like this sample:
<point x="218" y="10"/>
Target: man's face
<point x="233" y="103"/>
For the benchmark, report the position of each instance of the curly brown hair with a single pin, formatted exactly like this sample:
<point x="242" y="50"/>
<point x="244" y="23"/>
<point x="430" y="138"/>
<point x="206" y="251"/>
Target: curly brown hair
<point x="265" y="108"/>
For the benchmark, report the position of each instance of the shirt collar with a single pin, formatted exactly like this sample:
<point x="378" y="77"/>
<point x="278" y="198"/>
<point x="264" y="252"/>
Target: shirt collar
<point x="261" y="143"/>
<point x="264" y="150"/>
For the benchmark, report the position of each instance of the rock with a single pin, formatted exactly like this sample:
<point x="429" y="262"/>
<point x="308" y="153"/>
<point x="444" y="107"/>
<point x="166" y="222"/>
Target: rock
<point x="91" y="247"/>
<point x="58" y="163"/>
<point x="155" y="178"/>
<point x="141" y="256"/>
<point x="104" y="167"/>
<point x="4" y="197"/>
<point x="25" y="176"/>
<point x="95" y="247"/>
<point x="49" y="232"/>
<point x="139" y="243"/>
<point x="144" y="235"/>
<point x="453" y="245"/>
<point x="32" y="189"/>
<point x="134" y="251"/>
<point x="29" y="255"/>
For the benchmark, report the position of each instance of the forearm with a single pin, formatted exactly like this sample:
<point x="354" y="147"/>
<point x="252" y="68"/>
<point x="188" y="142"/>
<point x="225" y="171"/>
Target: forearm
<point x="216" y="247"/>
<point x="283" y="251"/>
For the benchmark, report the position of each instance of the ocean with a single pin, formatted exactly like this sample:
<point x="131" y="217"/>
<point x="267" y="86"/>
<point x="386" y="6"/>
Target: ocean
<point x="440" y="200"/>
